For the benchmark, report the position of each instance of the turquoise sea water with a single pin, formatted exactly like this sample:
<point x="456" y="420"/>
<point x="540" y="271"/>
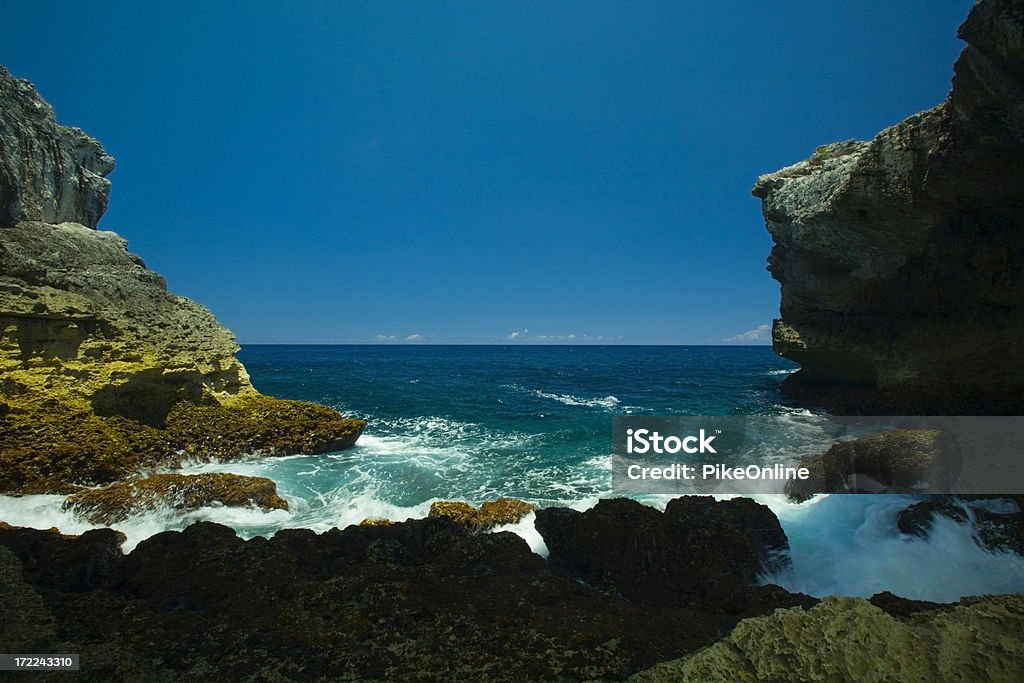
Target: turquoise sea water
<point x="477" y="422"/>
<point x="534" y="422"/>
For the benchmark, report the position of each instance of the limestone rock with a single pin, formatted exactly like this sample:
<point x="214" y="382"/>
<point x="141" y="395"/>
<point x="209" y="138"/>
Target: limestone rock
<point x="83" y="321"/>
<point x="849" y="639"/>
<point x="48" y="172"/>
<point x="181" y="492"/>
<point x="901" y="260"/>
<point x="490" y="514"/>
<point x="102" y="370"/>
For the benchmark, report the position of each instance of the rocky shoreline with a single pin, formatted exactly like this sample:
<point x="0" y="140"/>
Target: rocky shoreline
<point x="106" y="377"/>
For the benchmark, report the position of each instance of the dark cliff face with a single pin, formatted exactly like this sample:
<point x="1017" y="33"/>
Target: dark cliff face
<point x="901" y="259"/>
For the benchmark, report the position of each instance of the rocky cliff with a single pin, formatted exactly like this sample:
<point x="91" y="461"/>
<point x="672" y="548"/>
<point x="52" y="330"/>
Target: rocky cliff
<point x="48" y="173"/>
<point x="901" y="260"/>
<point x="102" y="370"/>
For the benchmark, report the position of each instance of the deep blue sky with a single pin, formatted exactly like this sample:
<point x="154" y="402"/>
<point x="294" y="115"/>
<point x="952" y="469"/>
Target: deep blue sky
<point x="342" y="171"/>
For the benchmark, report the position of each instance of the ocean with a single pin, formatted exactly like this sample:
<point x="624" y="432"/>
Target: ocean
<point x="534" y="422"/>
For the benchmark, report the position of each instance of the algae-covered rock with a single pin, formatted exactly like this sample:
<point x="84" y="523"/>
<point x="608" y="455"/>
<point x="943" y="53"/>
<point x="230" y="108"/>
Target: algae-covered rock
<point x="47" y="449"/>
<point x="849" y="639"/>
<point x="182" y="492"/>
<point x="104" y="372"/>
<point x="377" y="521"/>
<point x="898" y="460"/>
<point x="490" y="514"/>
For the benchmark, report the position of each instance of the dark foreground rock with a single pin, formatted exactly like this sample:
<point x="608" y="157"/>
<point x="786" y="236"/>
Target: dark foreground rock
<point x="901" y="260"/>
<point x="698" y="551"/>
<point x="423" y="600"/>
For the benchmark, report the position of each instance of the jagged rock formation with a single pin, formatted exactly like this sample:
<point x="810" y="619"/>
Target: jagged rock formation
<point x="901" y="260"/>
<point x="716" y="549"/>
<point x="48" y="173"/>
<point x="849" y="639"/>
<point x="102" y="370"/>
<point x="998" y="521"/>
<point x="423" y="600"/>
<point x="83" y="320"/>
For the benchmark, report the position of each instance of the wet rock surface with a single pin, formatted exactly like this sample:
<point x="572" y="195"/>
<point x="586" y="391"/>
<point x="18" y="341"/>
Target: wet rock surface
<point x="422" y="600"/>
<point x="998" y="521"/>
<point x="182" y="492"/>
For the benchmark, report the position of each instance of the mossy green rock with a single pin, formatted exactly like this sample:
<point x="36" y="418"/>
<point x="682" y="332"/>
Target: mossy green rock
<point x="490" y="514"/>
<point x="182" y="492"/>
<point x="849" y="639"/>
<point x="48" y="448"/>
<point x="103" y="372"/>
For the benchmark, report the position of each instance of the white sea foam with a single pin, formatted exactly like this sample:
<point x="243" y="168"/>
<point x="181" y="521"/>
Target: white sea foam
<point x="850" y="545"/>
<point x="607" y="402"/>
<point x="845" y="545"/>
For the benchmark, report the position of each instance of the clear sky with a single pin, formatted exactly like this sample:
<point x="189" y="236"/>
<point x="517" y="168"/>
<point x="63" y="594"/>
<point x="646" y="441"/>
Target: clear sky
<point x="471" y="172"/>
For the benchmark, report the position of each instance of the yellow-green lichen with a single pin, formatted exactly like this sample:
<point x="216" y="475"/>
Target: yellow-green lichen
<point x="119" y="501"/>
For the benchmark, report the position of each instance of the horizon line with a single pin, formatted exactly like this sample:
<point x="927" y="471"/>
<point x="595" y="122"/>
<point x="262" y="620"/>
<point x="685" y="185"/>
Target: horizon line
<point x="484" y="344"/>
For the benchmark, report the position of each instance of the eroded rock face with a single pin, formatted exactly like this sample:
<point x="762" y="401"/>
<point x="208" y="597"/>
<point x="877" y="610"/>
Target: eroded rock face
<point x="849" y="639"/>
<point x="901" y="259"/>
<point x="48" y="173"/>
<point x="893" y="461"/>
<point x="85" y="322"/>
<point x="102" y="370"/>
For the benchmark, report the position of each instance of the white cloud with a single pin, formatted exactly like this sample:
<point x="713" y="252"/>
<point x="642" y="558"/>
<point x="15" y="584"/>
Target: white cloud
<point x="517" y="334"/>
<point x="386" y="337"/>
<point x="761" y="333"/>
<point x="413" y="337"/>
